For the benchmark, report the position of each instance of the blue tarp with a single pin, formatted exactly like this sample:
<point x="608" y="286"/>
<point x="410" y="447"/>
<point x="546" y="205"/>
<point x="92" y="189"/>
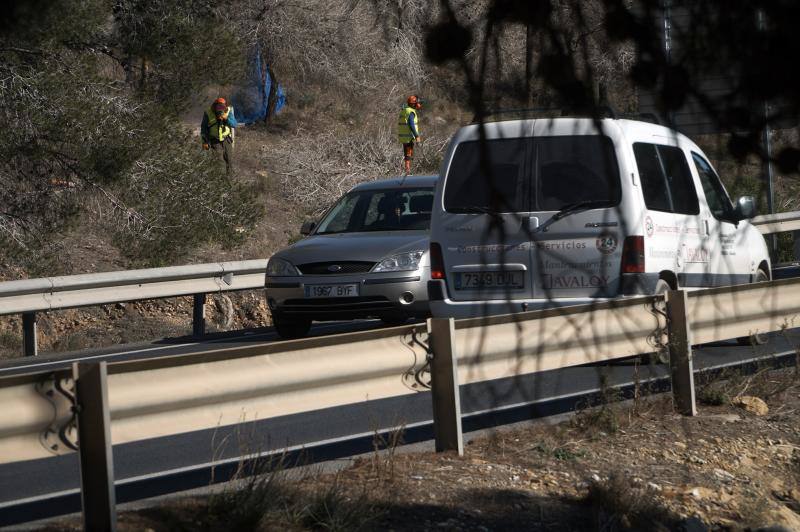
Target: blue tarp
<point x="250" y="99"/>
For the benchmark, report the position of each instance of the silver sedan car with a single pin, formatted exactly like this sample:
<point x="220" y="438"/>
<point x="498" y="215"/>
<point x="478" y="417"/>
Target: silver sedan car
<point x="366" y="258"/>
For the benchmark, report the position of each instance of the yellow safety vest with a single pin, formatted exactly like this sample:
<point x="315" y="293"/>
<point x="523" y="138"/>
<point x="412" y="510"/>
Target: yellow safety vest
<point x="216" y="130"/>
<point x="404" y="134"/>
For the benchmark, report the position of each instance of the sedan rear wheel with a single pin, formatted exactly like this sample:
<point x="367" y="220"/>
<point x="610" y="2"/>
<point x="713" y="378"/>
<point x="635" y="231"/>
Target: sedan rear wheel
<point x="289" y="328"/>
<point x="394" y="320"/>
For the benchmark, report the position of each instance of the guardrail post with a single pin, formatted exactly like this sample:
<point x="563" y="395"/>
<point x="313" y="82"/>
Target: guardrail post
<point x="680" y="352"/>
<point x="199" y="315"/>
<point x="94" y="446"/>
<point x="444" y="386"/>
<point x="30" y="345"/>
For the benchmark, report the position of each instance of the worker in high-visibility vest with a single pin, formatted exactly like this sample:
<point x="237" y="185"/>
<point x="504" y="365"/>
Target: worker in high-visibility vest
<point x="408" y="130"/>
<point x="217" y="130"/>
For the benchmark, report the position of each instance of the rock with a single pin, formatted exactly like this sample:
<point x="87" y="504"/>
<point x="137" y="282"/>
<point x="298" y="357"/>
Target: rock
<point x="784" y="517"/>
<point x="700" y="493"/>
<point x="727" y="418"/>
<point x="745" y="461"/>
<point x="776" y="485"/>
<point x="754" y="405"/>
<point x="725" y="497"/>
<point x="653" y="486"/>
<point x="724" y="475"/>
<point x="680" y="445"/>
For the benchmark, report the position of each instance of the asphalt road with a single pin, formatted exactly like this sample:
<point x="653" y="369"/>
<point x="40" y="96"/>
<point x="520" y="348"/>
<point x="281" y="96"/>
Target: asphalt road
<point x="42" y="488"/>
<point x="172" y="346"/>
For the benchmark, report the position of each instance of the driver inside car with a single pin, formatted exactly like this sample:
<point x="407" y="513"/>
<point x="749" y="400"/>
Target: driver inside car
<point x="390" y="208"/>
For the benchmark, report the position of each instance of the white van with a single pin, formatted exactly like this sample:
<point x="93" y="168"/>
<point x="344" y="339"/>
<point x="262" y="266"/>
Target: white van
<point x="565" y="211"/>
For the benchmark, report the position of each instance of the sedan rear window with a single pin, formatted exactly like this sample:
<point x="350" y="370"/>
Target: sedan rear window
<point x="532" y="174"/>
<point x="379" y="210"/>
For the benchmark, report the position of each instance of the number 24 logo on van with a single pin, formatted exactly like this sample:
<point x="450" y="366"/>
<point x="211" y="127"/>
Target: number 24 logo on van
<point x="649" y="226"/>
<point x="606" y="243"/>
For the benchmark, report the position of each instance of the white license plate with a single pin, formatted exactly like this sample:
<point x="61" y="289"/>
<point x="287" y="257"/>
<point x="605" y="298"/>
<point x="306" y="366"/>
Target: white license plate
<point x="331" y="290"/>
<point x="514" y="280"/>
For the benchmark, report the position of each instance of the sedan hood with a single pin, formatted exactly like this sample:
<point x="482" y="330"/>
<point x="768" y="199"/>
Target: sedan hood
<point x="372" y="246"/>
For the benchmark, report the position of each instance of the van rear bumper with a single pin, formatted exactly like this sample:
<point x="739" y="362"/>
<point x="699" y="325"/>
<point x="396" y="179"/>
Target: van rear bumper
<point x="448" y="308"/>
<point x="638" y="284"/>
<point x="633" y="284"/>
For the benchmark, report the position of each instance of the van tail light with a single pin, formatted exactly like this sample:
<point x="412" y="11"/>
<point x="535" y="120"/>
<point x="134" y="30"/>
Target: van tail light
<point x="633" y="254"/>
<point x="437" y="261"/>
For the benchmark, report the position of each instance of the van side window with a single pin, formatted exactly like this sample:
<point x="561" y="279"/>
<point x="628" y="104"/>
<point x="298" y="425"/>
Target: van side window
<point x="718" y="201"/>
<point x="667" y="182"/>
<point x="470" y="189"/>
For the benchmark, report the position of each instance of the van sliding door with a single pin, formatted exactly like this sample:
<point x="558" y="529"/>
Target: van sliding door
<point x="576" y="193"/>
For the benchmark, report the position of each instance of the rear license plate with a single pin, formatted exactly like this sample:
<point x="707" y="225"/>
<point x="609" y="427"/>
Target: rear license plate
<point x="490" y="280"/>
<point x="331" y="290"/>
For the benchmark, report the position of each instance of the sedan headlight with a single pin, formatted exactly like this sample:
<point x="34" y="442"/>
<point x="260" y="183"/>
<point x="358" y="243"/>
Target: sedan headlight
<point x="280" y="268"/>
<point x="403" y="262"/>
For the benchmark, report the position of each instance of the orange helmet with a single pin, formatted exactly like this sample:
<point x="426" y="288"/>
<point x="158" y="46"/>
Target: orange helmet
<point x="414" y="102"/>
<point x="219" y="104"/>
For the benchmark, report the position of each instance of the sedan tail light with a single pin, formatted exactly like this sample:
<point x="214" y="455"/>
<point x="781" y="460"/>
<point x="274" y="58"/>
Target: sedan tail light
<point x="437" y="261"/>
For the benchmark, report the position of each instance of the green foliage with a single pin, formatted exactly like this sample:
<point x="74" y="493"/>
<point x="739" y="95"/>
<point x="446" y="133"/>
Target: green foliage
<point x="714" y="395"/>
<point x="34" y="24"/>
<point x="83" y="142"/>
<point x="178" y="47"/>
<point x="786" y="247"/>
<point x="10" y="340"/>
<point x="561" y="453"/>
<point x="180" y="198"/>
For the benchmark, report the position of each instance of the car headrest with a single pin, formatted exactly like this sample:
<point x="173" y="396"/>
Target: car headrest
<point x="421" y="203"/>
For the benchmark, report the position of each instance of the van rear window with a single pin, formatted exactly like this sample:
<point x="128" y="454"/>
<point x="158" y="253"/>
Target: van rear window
<point x="532" y="174"/>
<point x="496" y="183"/>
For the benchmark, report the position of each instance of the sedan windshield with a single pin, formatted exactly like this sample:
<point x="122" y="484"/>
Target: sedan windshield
<point x="404" y="209"/>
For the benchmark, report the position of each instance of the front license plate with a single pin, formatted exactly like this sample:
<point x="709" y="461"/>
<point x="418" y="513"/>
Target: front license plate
<point x="490" y="280"/>
<point x="331" y="290"/>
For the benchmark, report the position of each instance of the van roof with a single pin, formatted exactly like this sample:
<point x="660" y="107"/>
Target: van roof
<point x="510" y="128"/>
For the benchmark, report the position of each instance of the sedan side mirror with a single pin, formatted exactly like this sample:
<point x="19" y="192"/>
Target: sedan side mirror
<point x="307" y="227"/>
<point x="745" y="208"/>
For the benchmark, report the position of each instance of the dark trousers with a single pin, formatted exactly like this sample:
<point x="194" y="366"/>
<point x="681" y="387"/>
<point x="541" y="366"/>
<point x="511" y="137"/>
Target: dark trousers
<point x="225" y="148"/>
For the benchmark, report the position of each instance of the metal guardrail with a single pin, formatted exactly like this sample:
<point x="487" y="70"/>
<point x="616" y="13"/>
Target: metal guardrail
<point x="29" y="296"/>
<point x="777" y="223"/>
<point x="156" y="397"/>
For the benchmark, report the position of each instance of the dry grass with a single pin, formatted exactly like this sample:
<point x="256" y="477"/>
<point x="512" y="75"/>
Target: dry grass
<point x="620" y="504"/>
